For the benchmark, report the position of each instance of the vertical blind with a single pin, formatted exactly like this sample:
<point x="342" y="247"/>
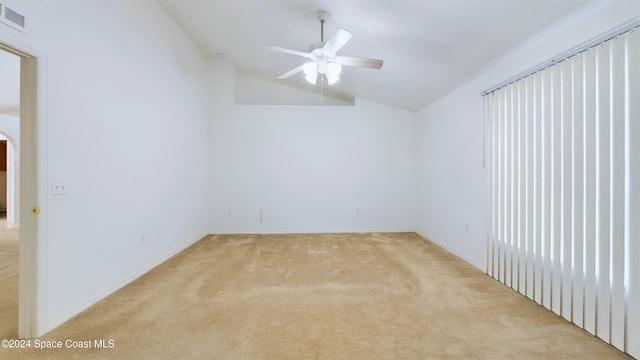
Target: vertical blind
<point x="563" y="184"/>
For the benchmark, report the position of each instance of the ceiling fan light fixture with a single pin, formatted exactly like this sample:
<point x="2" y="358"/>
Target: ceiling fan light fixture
<point x="334" y="68"/>
<point x="332" y="78"/>
<point x="311" y="79"/>
<point x="310" y="69"/>
<point x="333" y="72"/>
<point x="311" y="72"/>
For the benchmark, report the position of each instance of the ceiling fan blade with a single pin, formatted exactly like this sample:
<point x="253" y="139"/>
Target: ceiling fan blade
<point x="337" y="41"/>
<point x="361" y="62"/>
<point x="288" y="51"/>
<point x="291" y="72"/>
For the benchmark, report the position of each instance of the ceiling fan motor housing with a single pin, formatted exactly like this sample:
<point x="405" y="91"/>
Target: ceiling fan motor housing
<point x="321" y="57"/>
<point x="317" y="45"/>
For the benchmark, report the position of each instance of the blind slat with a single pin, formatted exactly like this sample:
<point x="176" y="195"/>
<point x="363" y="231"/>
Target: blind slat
<point x="632" y="199"/>
<point x="603" y="191"/>
<point x="566" y="177"/>
<point x="616" y="261"/>
<point x="489" y="183"/>
<point x="556" y="188"/>
<point x="537" y="198"/>
<point x="578" y="192"/>
<point x="502" y="186"/>
<point x="496" y="190"/>
<point x="530" y="139"/>
<point x="508" y="187"/>
<point x="522" y="184"/>
<point x="590" y="192"/>
<point x="547" y="148"/>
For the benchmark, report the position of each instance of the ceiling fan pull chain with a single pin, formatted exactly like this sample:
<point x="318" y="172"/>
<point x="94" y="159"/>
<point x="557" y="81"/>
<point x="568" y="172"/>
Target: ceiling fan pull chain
<point x="322" y="89"/>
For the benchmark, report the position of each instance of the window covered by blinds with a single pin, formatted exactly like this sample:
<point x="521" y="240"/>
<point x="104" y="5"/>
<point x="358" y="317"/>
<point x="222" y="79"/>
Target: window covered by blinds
<point x="563" y="179"/>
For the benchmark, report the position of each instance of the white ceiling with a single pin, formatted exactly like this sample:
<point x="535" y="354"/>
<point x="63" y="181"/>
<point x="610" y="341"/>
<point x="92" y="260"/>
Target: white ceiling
<point x="430" y="47"/>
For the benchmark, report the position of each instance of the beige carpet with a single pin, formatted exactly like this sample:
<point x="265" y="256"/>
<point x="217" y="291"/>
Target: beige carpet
<point x="9" y="249"/>
<point x="326" y="296"/>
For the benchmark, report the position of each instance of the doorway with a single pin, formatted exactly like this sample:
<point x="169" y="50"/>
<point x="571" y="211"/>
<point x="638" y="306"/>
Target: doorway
<point x="28" y="280"/>
<point x="9" y="235"/>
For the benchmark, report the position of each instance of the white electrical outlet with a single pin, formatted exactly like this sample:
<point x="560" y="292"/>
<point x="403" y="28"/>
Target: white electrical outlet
<point x="59" y="188"/>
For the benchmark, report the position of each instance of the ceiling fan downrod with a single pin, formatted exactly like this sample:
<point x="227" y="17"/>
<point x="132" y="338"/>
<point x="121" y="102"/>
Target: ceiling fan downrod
<point x="322" y="15"/>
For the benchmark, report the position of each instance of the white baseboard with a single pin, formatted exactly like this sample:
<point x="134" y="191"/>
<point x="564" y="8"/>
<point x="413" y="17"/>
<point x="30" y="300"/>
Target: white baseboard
<point x="305" y="231"/>
<point x="454" y="252"/>
<point x="325" y="231"/>
<point x="118" y="285"/>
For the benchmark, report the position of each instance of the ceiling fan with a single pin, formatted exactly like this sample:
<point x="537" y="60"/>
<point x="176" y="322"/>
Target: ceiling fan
<point x="324" y="62"/>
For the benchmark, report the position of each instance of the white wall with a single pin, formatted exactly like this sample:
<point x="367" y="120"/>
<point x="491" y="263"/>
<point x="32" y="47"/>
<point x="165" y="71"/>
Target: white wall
<point x="309" y="168"/>
<point x="450" y="135"/>
<point x="249" y="90"/>
<point x="126" y="122"/>
<point x="450" y="197"/>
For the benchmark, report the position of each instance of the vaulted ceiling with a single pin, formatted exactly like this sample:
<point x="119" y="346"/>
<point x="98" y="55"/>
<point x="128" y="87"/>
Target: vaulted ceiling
<point x="429" y="47"/>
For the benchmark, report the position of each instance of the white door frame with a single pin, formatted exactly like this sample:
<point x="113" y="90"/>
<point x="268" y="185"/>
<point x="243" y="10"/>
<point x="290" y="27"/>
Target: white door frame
<point x="32" y="317"/>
